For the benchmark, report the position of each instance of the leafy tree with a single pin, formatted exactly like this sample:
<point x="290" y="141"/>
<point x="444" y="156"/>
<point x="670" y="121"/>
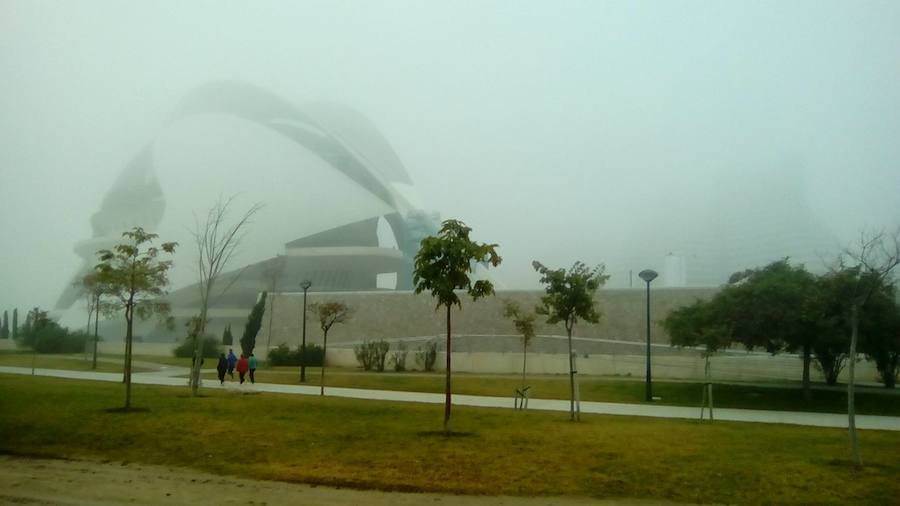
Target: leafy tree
<point x="227" y="337"/>
<point x="216" y="242"/>
<point x="570" y="297"/>
<point x="329" y="313"/>
<point x="443" y="265"/>
<point x="134" y="275"/>
<point x="775" y="308"/>
<point x="880" y="334"/>
<point x="251" y="328"/>
<point x="15" y="323"/>
<point x="524" y="324"/>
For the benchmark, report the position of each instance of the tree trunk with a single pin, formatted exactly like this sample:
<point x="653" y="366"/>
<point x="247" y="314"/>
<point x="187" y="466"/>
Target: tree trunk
<point x="447" y="385"/>
<point x="571" y="375"/>
<point x="129" y="317"/>
<point x="271" y="313"/>
<point x="807" y="357"/>
<point x="96" y="329"/>
<point x="324" y="351"/>
<point x="198" y="345"/>
<point x="524" y="359"/>
<point x="851" y="406"/>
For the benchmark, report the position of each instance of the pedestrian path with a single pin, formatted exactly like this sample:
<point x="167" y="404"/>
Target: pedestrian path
<point x="165" y="378"/>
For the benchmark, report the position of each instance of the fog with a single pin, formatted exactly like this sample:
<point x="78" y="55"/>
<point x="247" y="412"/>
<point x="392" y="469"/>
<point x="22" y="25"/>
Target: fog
<point x="607" y="132"/>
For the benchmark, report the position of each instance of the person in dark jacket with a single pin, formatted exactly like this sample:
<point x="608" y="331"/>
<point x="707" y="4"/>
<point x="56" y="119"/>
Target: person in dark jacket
<point x="232" y="360"/>
<point x="222" y="368"/>
<point x="242" y="366"/>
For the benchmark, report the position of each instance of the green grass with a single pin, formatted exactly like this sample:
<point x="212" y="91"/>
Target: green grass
<point x="75" y="362"/>
<point x="873" y="401"/>
<point x="396" y="446"/>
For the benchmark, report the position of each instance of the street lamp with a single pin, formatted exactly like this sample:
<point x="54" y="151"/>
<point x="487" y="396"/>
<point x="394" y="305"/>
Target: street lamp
<point x="305" y="284"/>
<point x="648" y="275"/>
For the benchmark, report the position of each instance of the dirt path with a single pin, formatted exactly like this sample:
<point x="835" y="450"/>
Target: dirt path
<point x="82" y="482"/>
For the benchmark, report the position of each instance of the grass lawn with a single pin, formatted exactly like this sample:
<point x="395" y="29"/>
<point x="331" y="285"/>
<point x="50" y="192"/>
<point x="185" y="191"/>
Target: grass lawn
<point x="397" y="446"/>
<point x="597" y="388"/>
<point x="74" y="362"/>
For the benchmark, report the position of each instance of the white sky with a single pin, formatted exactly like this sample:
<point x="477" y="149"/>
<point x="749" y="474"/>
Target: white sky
<point x="552" y="128"/>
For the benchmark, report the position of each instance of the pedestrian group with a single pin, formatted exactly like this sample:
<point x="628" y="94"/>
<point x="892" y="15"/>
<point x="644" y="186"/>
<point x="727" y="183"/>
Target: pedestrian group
<point x="244" y="364"/>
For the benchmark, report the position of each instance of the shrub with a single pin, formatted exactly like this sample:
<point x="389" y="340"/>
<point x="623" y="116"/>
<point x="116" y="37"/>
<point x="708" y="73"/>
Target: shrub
<point x="372" y="354"/>
<point x="398" y="357"/>
<point x="50" y="340"/>
<point x="44" y="335"/>
<point x="426" y="358"/>
<point x="283" y="355"/>
<point x="210" y="348"/>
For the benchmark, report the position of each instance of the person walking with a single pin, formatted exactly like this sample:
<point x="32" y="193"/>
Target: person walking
<point x="232" y="360"/>
<point x="252" y="365"/>
<point x="242" y="366"/>
<point x="222" y="368"/>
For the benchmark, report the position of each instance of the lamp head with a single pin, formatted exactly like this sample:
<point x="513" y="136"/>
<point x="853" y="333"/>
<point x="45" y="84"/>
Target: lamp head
<point x="648" y="275"/>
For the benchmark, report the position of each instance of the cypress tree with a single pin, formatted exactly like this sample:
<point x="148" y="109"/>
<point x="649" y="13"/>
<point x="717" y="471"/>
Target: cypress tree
<point x="254" y="322"/>
<point x="227" y="338"/>
<point x="15" y="325"/>
<point x="4" y="327"/>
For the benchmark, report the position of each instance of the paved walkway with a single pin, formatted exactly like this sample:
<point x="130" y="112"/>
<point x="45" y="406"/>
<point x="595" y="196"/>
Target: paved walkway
<point x="166" y="378"/>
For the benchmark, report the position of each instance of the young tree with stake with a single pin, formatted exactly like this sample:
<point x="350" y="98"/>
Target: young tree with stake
<point x="329" y="313"/>
<point x="443" y="265"/>
<point x="570" y="296"/>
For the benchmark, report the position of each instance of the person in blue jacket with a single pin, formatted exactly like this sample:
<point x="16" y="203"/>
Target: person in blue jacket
<point x="232" y="361"/>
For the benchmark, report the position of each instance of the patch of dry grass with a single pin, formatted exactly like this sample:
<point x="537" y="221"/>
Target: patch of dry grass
<point x="394" y="446"/>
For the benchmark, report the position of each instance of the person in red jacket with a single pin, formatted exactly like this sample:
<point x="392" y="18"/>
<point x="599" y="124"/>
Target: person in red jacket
<point x="242" y="367"/>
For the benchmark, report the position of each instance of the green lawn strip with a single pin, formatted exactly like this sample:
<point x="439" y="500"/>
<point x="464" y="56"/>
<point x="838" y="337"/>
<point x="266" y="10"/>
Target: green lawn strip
<point x="76" y="362"/>
<point x="397" y="446"/>
<point x="599" y="389"/>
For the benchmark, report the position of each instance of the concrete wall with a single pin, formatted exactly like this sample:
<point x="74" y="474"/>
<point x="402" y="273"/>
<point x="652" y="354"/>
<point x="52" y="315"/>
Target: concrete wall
<point x="386" y="315"/>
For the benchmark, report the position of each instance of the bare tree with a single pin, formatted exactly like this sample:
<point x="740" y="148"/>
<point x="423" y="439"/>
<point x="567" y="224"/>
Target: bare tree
<point x="216" y="241"/>
<point x="271" y="273"/>
<point x="869" y="262"/>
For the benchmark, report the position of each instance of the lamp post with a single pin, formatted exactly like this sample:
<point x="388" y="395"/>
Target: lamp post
<point x="305" y="284"/>
<point x="648" y="275"/>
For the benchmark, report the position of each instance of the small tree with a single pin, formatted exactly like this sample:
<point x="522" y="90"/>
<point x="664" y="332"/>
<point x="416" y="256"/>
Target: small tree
<point x="272" y="272"/>
<point x="136" y="277"/>
<point x="700" y="324"/>
<point x="871" y="260"/>
<point x="94" y="290"/>
<point x="227" y="337"/>
<point x="251" y="329"/>
<point x="442" y="266"/>
<point x="570" y="296"/>
<point x="524" y="323"/>
<point x="4" y="327"/>
<point x="15" y="324"/>
<point x="329" y="313"/>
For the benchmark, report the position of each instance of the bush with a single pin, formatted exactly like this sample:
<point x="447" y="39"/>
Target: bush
<point x="44" y="335"/>
<point x="210" y="348"/>
<point x="398" y="357"/>
<point x="50" y="340"/>
<point x="427" y="357"/>
<point x="372" y="354"/>
<point x="283" y="355"/>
